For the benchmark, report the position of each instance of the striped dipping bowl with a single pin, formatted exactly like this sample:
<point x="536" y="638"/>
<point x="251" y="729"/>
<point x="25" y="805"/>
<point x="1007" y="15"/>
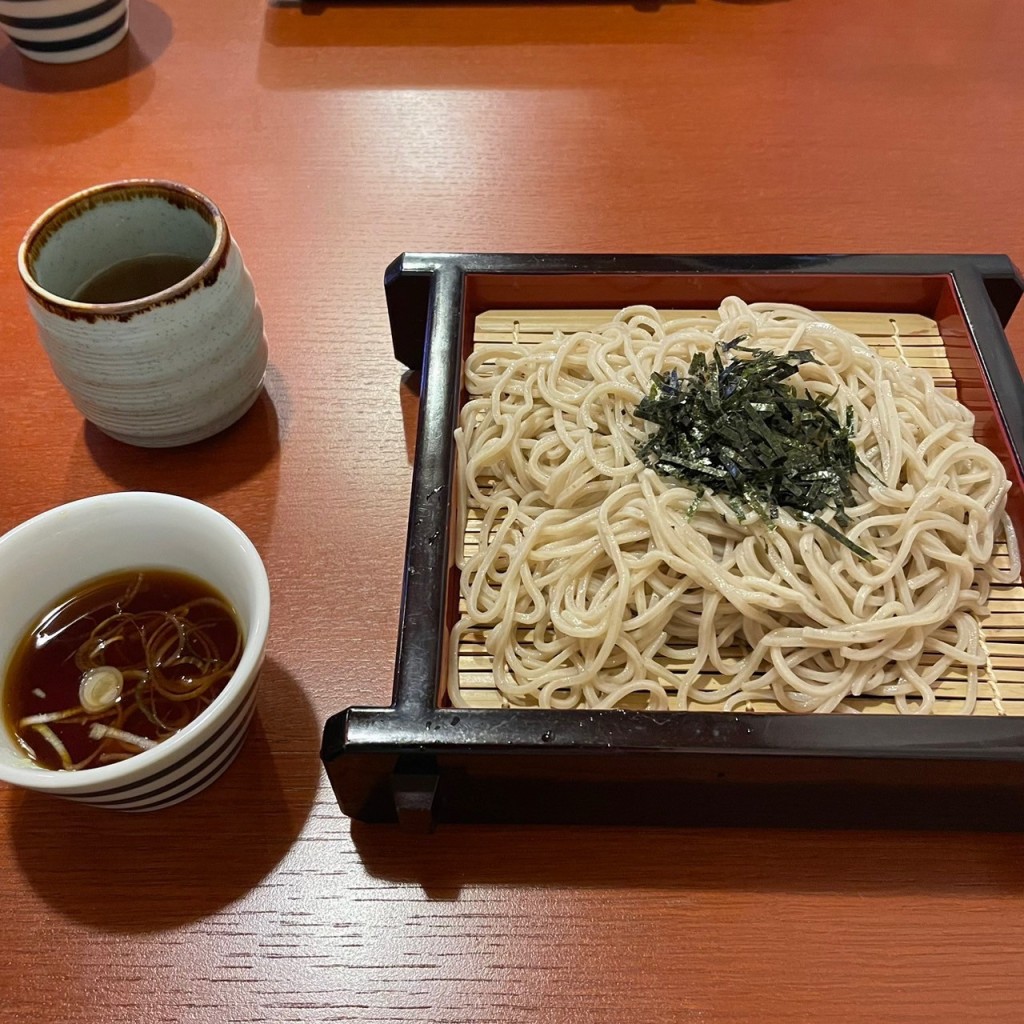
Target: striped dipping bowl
<point x="64" y="31"/>
<point x="49" y="555"/>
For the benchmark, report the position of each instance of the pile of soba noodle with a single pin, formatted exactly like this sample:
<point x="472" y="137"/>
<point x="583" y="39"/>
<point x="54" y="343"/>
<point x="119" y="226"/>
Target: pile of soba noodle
<point x="596" y="580"/>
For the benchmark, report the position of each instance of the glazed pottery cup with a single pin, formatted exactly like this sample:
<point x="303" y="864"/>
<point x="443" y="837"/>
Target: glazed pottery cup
<point x="146" y="310"/>
<point x="64" y="31"/>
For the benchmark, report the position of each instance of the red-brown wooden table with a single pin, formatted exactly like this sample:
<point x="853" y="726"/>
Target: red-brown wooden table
<point x="334" y="138"/>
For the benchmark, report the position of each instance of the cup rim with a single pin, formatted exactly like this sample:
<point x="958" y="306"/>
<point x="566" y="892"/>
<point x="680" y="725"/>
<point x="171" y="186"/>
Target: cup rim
<point x="175" y="748"/>
<point x="50" y="222"/>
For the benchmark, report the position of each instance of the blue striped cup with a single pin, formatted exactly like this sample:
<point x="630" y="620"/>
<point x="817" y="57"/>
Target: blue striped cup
<point x="64" y="31"/>
<point x="46" y="557"/>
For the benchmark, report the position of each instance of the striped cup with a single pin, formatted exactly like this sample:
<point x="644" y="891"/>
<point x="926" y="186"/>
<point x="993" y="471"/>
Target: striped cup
<point x="64" y="31"/>
<point x="46" y="557"/>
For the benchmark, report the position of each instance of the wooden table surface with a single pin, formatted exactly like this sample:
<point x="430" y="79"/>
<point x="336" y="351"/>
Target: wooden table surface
<point x="334" y="138"/>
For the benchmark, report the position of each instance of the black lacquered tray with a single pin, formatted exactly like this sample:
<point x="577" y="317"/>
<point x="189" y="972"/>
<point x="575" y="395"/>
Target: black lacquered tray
<point x="420" y="761"/>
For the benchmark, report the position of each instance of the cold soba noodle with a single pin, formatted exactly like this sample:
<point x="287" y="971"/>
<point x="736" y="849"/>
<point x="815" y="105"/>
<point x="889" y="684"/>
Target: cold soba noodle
<point x="599" y="580"/>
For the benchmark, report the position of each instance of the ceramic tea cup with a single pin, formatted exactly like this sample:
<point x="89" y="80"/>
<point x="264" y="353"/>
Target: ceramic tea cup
<point x="64" y="31"/>
<point x="146" y="311"/>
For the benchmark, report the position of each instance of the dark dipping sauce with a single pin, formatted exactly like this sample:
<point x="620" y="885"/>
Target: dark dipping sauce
<point x="172" y="638"/>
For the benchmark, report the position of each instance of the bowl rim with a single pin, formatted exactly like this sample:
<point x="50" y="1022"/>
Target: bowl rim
<point x="176" y="748"/>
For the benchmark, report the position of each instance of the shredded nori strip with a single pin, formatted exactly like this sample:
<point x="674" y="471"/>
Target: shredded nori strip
<point x="732" y="425"/>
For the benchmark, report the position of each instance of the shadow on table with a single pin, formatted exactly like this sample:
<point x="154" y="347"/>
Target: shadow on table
<point x="218" y="464"/>
<point x="134" y="873"/>
<point x="318" y="7"/>
<point x="239" y="461"/>
<point x="406" y="40"/>
<point x="834" y="861"/>
<point x="465" y="23"/>
<point x="150" y="33"/>
<point x="409" y="400"/>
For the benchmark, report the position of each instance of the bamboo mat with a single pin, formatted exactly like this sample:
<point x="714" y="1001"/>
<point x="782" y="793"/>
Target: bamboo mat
<point x="910" y="338"/>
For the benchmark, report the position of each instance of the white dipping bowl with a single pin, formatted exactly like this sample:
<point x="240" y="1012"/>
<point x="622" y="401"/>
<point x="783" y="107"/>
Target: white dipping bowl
<point x="44" y="558"/>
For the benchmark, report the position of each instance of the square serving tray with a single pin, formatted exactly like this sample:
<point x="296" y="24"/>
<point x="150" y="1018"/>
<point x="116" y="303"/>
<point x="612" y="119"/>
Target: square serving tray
<point x="420" y="761"/>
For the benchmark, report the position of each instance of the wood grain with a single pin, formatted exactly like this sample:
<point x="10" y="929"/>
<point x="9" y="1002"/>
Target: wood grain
<point x="335" y="137"/>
